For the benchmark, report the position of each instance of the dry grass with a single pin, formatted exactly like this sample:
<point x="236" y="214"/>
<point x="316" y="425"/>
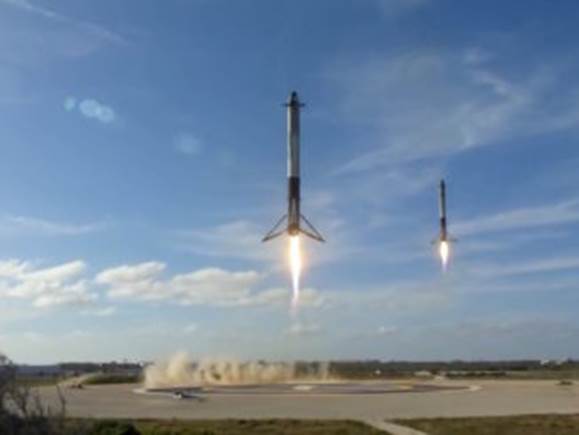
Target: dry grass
<point x="516" y="425"/>
<point x="257" y="427"/>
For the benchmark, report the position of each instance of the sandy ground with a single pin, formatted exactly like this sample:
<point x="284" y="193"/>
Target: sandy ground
<point x="492" y="398"/>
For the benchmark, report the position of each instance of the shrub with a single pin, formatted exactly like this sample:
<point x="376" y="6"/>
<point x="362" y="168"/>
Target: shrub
<point x="113" y="428"/>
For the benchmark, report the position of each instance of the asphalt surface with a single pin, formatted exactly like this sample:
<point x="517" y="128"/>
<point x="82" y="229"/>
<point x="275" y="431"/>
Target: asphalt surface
<point x="360" y="401"/>
<point x="301" y="389"/>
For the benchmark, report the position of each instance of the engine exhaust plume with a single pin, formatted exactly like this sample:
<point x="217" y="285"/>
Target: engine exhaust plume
<point x="443" y="239"/>
<point x="295" y="258"/>
<point x="444" y="251"/>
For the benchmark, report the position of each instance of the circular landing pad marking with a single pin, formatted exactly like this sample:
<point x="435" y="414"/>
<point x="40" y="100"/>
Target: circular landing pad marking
<point x="305" y="389"/>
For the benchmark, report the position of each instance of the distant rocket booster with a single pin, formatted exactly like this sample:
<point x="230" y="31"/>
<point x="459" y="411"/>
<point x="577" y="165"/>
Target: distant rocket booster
<point x="296" y="222"/>
<point x="443" y="236"/>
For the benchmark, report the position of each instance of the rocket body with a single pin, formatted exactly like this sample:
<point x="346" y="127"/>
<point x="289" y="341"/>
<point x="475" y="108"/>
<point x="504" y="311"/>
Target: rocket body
<point x="293" y="163"/>
<point x="443" y="236"/>
<point x="296" y="222"/>
<point x="443" y="239"/>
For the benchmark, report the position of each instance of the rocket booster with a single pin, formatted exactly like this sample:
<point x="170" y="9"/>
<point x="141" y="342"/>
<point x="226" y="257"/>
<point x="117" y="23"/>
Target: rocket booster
<point x="293" y="163"/>
<point x="296" y="222"/>
<point x="443" y="236"/>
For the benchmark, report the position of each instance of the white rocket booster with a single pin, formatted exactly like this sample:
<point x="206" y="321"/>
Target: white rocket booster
<point x="296" y="222"/>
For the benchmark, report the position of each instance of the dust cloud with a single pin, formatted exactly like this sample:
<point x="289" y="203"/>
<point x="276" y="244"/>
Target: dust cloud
<point x="179" y="370"/>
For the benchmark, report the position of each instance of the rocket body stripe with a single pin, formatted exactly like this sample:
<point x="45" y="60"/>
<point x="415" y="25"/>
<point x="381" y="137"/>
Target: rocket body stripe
<point x="293" y="212"/>
<point x="443" y="233"/>
<point x="442" y="200"/>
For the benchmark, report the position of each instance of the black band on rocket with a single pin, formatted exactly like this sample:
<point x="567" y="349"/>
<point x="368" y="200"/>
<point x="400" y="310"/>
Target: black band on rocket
<point x="293" y="188"/>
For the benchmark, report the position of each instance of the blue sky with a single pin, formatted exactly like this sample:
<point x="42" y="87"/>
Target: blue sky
<point x="144" y="158"/>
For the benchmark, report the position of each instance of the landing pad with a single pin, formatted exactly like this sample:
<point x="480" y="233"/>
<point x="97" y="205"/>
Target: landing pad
<point x="348" y="400"/>
<point x="305" y="388"/>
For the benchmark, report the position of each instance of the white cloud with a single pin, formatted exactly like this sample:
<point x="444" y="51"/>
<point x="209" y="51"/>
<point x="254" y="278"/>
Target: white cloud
<point x="92" y="109"/>
<point x="59" y="285"/>
<point x="129" y="274"/>
<point x="13" y="268"/>
<point x="209" y="286"/>
<point x="527" y="217"/>
<point x="56" y="274"/>
<point x="214" y="286"/>
<point x="101" y="312"/>
<point x="31" y="226"/>
<point x="73" y="294"/>
<point x="139" y="281"/>
<point x="187" y="144"/>
<point x="67" y="284"/>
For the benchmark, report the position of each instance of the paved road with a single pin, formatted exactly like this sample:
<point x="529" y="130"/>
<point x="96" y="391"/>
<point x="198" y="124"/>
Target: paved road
<point x="493" y="398"/>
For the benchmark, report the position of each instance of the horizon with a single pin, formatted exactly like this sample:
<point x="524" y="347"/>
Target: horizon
<point x="394" y="361"/>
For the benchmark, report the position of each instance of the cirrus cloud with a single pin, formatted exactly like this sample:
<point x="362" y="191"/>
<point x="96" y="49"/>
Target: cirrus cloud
<point x="33" y="226"/>
<point x="460" y="102"/>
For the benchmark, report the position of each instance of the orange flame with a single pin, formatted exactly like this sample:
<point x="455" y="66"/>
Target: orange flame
<point x="295" y="257"/>
<point x="444" y="250"/>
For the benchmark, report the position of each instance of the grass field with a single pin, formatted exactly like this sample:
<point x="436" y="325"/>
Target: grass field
<point x="517" y="425"/>
<point x="36" y="381"/>
<point x="229" y="427"/>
